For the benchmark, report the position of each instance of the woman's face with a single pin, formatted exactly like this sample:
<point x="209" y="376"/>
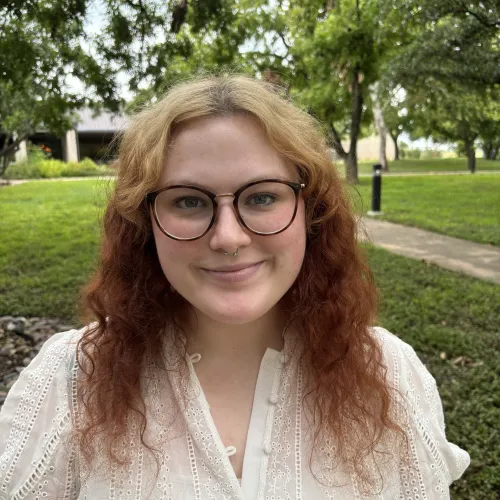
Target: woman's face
<point x="221" y="154"/>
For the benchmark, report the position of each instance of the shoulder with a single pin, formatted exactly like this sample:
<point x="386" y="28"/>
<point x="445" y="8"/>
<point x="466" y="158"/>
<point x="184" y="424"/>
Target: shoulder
<point x="49" y="371"/>
<point x="36" y="418"/>
<point x="438" y="459"/>
<point x="407" y="373"/>
<point x="399" y="356"/>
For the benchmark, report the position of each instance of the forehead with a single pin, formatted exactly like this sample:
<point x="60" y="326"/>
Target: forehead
<point x="222" y="153"/>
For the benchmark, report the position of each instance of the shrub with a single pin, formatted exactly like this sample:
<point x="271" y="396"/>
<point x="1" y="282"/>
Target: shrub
<point x="22" y="170"/>
<point x="429" y="154"/>
<point x="39" y="167"/>
<point x="412" y="154"/>
<point x="84" y="168"/>
<point x="51" y="168"/>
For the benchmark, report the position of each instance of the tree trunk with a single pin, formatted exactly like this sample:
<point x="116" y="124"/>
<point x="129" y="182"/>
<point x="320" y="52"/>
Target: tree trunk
<point x="395" y="138"/>
<point x="337" y="143"/>
<point x="471" y="159"/>
<point x="490" y="150"/>
<point x="351" y="167"/>
<point x="357" y="111"/>
<point x="9" y="148"/>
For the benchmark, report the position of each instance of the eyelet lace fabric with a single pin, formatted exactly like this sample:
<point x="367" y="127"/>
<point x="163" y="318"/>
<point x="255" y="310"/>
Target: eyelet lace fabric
<point x="39" y="461"/>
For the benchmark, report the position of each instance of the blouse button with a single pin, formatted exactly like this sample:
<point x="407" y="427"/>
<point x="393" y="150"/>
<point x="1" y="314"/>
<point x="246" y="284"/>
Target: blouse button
<point x="273" y="399"/>
<point x="195" y="357"/>
<point x="268" y="448"/>
<point x="231" y="450"/>
<point x="283" y="358"/>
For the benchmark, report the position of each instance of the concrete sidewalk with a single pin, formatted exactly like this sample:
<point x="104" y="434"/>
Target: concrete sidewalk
<point x="480" y="261"/>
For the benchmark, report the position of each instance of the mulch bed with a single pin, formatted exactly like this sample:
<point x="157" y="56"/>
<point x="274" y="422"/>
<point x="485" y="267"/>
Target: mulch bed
<point x="20" y="341"/>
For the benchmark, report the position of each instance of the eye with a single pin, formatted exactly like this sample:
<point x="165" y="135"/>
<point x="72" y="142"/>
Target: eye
<point x="261" y="199"/>
<point x="187" y="202"/>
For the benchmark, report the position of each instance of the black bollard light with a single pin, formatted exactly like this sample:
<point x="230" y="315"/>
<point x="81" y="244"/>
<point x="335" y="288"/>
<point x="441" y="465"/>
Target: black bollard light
<point x="376" y="190"/>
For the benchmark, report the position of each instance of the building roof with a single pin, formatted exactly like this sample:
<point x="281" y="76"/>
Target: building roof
<point x="102" y="121"/>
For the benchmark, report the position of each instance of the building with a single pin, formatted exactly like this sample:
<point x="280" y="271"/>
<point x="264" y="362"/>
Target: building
<point x="91" y="138"/>
<point x="94" y="133"/>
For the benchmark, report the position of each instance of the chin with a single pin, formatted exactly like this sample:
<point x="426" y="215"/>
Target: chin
<point x="234" y="313"/>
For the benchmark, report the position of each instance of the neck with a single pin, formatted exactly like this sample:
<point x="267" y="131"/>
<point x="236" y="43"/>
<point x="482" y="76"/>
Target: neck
<point x="245" y="342"/>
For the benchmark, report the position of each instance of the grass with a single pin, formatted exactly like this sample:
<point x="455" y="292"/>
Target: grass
<point x="48" y="239"/>
<point x="432" y="165"/>
<point x="462" y="206"/>
<point x="438" y="311"/>
<point x="48" y="246"/>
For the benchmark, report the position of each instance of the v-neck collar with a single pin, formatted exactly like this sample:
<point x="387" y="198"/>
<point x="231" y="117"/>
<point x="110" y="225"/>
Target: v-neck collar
<point x="258" y="445"/>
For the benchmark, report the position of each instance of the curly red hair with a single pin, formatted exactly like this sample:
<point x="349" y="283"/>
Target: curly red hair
<point x="333" y="304"/>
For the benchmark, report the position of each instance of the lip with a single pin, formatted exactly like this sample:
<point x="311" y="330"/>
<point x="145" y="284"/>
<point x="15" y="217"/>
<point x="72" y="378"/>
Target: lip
<point x="234" y="273"/>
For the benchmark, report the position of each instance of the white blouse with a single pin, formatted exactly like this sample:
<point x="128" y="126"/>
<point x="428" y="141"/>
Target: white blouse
<point x="37" y="460"/>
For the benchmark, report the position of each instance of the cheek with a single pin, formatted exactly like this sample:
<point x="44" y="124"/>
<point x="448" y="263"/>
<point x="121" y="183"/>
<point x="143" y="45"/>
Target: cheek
<point x="292" y="243"/>
<point x="173" y="255"/>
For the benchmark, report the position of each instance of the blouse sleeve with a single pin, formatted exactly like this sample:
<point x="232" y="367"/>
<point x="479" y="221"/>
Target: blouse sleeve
<point x="437" y="462"/>
<point x="36" y="458"/>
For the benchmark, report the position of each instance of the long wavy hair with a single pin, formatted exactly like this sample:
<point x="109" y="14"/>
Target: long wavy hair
<point x="333" y="301"/>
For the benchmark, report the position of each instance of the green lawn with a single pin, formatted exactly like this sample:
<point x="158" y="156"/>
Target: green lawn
<point x="438" y="311"/>
<point x="432" y="165"/>
<point x="462" y="206"/>
<point x="48" y="246"/>
<point x="48" y="238"/>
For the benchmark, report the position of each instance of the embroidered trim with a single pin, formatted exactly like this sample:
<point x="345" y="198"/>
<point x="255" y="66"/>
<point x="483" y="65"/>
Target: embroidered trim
<point x="194" y="470"/>
<point x="44" y="462"/>
<point x="268" y="432"/>
<point x="298" y="436"/>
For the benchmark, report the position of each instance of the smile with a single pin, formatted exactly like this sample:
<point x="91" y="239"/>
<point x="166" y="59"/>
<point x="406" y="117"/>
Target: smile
<point x="236" y="275"/>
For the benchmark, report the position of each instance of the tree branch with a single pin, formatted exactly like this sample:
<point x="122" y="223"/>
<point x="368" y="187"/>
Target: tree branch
<point x="482" y="20"/>
<point x="11" y="148"/>
<point x="283" y="40"/>
<point x="336" y="143"/>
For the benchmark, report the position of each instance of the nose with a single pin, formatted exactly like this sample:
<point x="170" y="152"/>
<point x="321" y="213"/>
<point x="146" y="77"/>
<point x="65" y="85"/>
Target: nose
<point x="227" y="233"/>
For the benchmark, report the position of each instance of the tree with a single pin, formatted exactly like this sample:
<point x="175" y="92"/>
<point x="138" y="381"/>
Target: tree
<point x="326" y="60"/>
<point x="489" y="131"/>
<point x="40" y="44"/>
<point x="452" y="114"/>
<point x="454" y="41"/>
<point x="449" y="71"/>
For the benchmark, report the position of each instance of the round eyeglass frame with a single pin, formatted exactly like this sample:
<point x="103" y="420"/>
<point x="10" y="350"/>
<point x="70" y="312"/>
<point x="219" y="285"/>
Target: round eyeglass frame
<point x="151" y="201"/>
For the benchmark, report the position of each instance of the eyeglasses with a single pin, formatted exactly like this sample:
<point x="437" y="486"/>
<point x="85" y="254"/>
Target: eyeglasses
<point x="187" y="213"/>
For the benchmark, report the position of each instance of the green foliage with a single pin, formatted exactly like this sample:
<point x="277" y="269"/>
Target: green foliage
<point x="48" y="168"/>
<point x="41" y="46"/>
<point x="413" y="154"/>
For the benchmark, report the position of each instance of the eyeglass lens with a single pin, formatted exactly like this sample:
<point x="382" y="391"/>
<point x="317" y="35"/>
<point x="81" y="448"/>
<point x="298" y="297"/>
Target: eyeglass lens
<point x="186" y="213"/>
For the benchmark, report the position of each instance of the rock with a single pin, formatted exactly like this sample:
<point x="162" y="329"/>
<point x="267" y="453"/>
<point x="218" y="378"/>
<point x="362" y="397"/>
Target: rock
<point x="19" y="369"/>
<point x="18" y="325"/>
<point x="9" y="377"/>
<point x="5" y="351"/>
<point x="26" y="361"/>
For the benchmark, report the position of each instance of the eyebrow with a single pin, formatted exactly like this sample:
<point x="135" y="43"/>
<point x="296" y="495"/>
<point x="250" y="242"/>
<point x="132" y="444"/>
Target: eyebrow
<point x="188" y="182"/>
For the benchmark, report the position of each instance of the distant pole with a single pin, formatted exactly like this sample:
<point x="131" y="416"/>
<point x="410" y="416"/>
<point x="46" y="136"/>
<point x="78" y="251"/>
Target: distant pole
<point x="376" y="190"/>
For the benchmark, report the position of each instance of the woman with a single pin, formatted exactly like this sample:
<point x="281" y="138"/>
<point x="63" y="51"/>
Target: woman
<point x="232" y="355"/>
